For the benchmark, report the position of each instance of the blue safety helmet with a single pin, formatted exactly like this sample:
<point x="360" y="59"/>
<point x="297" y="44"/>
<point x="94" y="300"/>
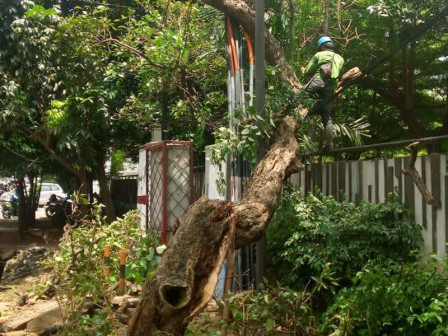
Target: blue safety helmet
<point x="323" y="39"/>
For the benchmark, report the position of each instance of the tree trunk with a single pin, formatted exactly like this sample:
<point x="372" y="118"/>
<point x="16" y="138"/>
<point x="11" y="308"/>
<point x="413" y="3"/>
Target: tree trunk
<point x="26" y="210"/>
<point x="105" y="195"/>
<point x="292" y="31"/>
<point x="84" y="189"/>
<point x="245" y="16"/>
<point x="187" y="276"/>
<point x="326" y="21"/>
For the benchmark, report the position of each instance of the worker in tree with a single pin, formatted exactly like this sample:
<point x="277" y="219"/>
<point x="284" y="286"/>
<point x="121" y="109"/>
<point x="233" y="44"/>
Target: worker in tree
<point x="324" y="70"/>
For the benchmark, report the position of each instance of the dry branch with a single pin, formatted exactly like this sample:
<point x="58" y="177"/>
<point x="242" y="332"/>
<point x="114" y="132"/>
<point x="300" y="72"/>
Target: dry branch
<point x="413" y="173"/>
<point x="187" y="276"/>
<point x="348" y="77"/>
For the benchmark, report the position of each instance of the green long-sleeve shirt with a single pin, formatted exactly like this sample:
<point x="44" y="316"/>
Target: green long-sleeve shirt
<point x="323" y="57"/>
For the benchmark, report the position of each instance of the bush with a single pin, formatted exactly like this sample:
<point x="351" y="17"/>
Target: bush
<point x="78" y="268"/>
<point x="271" y="310"/>
<point x="393" y="299"/>
<point x="367" y="251"/>
<point x="306" y="234"/>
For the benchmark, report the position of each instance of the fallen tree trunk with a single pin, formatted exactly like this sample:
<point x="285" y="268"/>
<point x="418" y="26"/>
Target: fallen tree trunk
<point x="187" y="276"/>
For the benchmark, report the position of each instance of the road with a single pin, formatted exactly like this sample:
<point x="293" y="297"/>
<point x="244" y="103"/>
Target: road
<point x="42" y="234"/>
<point x="8" y="225"/>
<point x="40" y="213"/>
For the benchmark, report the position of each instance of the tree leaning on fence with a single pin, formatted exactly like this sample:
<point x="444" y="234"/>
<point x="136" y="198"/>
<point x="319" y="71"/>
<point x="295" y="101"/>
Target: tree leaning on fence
<point x="187" y="276"/>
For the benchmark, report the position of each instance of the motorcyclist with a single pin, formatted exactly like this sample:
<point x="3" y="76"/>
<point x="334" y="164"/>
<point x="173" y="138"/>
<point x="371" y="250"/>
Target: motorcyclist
<point x="14" y="200"/>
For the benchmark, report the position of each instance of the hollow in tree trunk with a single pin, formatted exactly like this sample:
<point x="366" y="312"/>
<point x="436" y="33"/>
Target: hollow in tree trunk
<point x="187" y="276"/>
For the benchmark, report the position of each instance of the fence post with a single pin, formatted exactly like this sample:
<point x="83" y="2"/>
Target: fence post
<point x="106" y="261"/>
<point x="121" y="281"/>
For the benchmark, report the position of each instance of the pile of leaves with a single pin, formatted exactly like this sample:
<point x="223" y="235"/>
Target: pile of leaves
<point x="24" y="264"/>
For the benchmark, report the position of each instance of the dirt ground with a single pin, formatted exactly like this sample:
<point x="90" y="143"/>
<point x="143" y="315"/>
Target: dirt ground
<point x="43" y="234"/>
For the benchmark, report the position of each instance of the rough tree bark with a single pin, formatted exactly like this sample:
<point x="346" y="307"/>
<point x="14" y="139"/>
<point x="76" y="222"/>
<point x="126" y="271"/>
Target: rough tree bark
<point x="27" y="203"/>
<point x="326" y="20"/>
<point x="187" y="276"/>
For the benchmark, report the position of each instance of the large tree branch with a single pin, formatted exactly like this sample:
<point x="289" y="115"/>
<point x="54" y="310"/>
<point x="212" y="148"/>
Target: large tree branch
<point x="45" y="143"/>
<point x="135" y="51"/>
<point x="186" y="278"/>
<point x="54" y="155"/>
<point x="245" y="15"/>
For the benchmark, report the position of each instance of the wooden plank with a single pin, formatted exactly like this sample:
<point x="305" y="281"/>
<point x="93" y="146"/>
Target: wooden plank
<point x="369" y="195"/>
<point x="319" y="176"/>
<point x="446" y="214"/>
<point x="385" y="174"/>
<point x="409" y="191"/>
<point x="434" y="227"/>
<point x="399" y="176"/>
<point x="435" y="191"/>
<point x="435" y="178"/>
<point x="350" y="182"/>
<point x="341" y="180"/>
<point x="334" y="180"/>
<point x="424" y="205"/>
<point x="377" y="181"/>
<point x="313" y="178"/>
<point x="389" y="181"/>
<point x="327" y="179"/>
<point x="359" y="196"/>
<point x="307" y="177"/>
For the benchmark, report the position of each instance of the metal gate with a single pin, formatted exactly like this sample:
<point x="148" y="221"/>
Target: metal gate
<point x="169" y="185"/>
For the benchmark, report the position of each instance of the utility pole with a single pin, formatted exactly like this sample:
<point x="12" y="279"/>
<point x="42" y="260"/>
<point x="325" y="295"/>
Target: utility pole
<point x="259" y="107"/>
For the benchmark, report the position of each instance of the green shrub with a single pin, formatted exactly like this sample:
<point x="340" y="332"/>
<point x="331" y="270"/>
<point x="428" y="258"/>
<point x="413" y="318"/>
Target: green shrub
<point x="306" y="234"/>
<point x="78" y="268"/>
<point x="393" y="299"/>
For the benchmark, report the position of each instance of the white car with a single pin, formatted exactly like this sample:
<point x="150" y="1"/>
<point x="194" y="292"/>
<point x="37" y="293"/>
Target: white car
<point x="49" y="189"/>
<point x="46" y="191"/>
<point x="5" y="197"/>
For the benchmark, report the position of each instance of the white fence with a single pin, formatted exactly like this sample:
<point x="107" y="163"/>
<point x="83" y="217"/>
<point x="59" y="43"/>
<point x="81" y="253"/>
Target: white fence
<point x="372" y="180"/>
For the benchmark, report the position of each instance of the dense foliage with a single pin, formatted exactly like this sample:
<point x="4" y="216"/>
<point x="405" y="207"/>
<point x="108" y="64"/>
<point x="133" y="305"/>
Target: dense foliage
<point x="307" y="234"/>
<point x="82" y="80"/>
<point x="393" y="298"/>
<point x="386" y="298"/>
<point x="352" y="270"/>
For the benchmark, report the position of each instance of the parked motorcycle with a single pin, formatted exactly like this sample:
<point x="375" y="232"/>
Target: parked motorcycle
<point x="58" y="209"/>
<point x="9" y="209"/>
<point x="53" y="205"/>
